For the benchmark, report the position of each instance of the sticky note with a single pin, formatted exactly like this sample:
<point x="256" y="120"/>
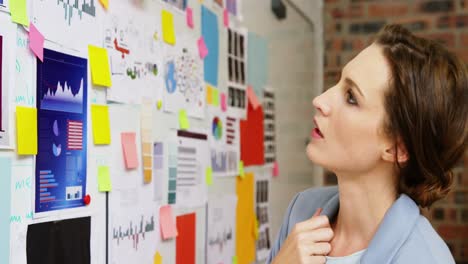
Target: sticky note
<point x="234" y="259"/>
<point x="157" y="258"/>
<point x="168" y="27"/>
<point x="105" y="3"/>
<point x="215" y="97"/>
<point x="26" y="130"/>
<point x="189" y="16"/>
<point x="241" y="169"/>
<point x="275" y="169"/>
<point x="255" y="228"/>
<point x="159" y="104"/>
<point x="223" y="102"/>
<point x="101" y="124"/>
<point x="252" y="97"/>
<point x="209" y="176"/>
<point x="226" y="17"/>
<point x="129" y="149"/>
<point x="209" y="95"/>
<point x="166" y="220"/>
<point x="36" y="41"/>
<point x="104" y="181"/>
<point x="202" y="49"/>
<point x="183" y="120"/>
<point x="19" y="12"/>
<point x="100" y="69"/>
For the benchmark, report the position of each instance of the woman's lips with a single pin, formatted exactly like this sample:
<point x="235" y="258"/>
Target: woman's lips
<point x="316" y="133"/>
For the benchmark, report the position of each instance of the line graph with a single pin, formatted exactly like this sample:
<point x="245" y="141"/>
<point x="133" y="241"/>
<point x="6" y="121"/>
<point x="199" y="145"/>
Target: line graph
<point x="134" y="231"/>
<point x="84" y="7"/>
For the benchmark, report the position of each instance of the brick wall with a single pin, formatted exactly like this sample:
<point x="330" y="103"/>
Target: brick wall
<point x="348" y="27"/>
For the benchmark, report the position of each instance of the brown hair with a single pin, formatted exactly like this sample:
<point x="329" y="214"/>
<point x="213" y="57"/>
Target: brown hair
<point x="427" y="109"/>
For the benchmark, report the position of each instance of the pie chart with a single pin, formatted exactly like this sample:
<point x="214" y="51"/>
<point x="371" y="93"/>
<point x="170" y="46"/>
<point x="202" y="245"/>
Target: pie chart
<point x="217" y="128"/>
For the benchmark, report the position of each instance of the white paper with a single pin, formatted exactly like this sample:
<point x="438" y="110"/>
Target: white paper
<point x="221" y="233"/>
<point x="192" y="161"/>
<point x="262" y="191"/>
<point x="184" y="86"/>
<point x="269" y="125"/>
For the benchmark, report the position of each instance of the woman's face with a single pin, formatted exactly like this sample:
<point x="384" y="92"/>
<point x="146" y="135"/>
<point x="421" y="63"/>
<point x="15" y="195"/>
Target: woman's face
<point x="350" y="116"/>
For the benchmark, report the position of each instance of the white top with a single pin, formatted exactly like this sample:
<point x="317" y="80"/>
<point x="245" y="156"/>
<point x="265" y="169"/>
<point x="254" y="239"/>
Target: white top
<point x="350" y="259"/>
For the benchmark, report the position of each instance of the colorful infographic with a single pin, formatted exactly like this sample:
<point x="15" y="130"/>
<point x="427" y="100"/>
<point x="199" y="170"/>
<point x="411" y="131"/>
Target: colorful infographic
<point x="60" y="176"/>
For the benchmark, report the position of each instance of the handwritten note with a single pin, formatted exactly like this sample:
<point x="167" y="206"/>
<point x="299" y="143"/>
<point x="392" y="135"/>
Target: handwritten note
<point x="100" y="69"/>
<point x="26" y="130"/>
<point x="101" y="124"/>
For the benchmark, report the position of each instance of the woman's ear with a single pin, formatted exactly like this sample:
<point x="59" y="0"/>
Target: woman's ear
<point x="397" y="147"/>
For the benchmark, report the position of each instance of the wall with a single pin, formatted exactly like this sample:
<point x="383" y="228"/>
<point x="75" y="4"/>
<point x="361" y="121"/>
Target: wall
<point x="348" y="25"/>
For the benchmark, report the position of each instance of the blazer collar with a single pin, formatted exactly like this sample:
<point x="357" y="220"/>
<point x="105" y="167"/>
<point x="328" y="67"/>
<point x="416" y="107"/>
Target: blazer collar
<point x="396" y="226"/>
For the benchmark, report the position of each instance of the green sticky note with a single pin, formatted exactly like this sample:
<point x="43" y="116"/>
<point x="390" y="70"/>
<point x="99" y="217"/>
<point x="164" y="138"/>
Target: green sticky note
<point x="209" y="176"/>
<point x="168" y="27"/>
<point x="215" y="97"/>
<point x="183" y="120"/>
<point x="234" y="259"/>
<point x="100" y="69"/>
<point x="19" y="12"/>
<point x="241" y="169"/>
<point x="104" y="181"/>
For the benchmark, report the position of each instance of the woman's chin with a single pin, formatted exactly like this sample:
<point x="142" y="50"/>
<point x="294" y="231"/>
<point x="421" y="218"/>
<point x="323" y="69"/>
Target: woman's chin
<point x="313" y="155"/>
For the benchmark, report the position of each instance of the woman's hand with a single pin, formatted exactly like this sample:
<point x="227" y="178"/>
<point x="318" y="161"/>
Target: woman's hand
<point x="308" y="242"/>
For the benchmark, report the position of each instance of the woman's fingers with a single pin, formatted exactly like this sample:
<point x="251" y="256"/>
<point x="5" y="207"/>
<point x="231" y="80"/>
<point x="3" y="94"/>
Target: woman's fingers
<point x="311" y="224"/>
<point x="320" y="249"/>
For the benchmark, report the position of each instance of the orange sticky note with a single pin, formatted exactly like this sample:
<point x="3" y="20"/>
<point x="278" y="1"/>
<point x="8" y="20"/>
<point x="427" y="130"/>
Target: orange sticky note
<point x="223" y="102"/>
<point x="252" y="97"/>
<point x="189" y="16"/>
<point x="166" y="219"/>
<point x="209" y="95"/>
<point x="36" y="41"/>
<point x="129" y="149"/>
<point x="26" y="130"/>
<point x="157" y="258"/>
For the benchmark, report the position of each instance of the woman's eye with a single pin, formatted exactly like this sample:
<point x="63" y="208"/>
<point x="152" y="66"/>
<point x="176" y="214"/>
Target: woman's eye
<point x="350" y="97"/>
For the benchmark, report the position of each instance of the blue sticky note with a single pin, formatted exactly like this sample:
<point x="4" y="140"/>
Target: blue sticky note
<point x="211" y="36"/>
<point x="257" y="62"/>
<point x="5" y="209"/>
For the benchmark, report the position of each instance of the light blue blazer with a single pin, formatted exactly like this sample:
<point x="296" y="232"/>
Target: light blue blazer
<point x="404" y="236"/>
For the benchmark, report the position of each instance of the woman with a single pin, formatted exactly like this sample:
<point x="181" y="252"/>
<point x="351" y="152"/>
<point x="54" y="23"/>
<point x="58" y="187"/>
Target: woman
<point x="391" y="130"/>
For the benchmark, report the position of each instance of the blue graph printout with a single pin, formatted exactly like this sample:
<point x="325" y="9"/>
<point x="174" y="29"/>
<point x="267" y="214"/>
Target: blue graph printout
<point x="60" y="180"/>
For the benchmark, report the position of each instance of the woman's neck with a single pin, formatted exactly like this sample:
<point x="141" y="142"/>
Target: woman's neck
<point x="364" y="200"/>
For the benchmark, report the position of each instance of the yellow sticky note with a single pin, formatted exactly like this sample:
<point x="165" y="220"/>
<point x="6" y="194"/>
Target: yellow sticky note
<point x="26" y="130"/>
<point x="209" y="176"/>
<point x="245" y="217"/>
<point x="255" y="229"/>
<point x="159" y="104"/>
<point x="100" y="69"/>
<point x="168" y="27"/>
<point x="209" y="95"/>
<point x="19" y="12"/>
<point x="241" y="169"/>
<point x="105" y="3"/>
<point x="101" y="124"/>
<point x="104" y="181"/>
<point x="215" y="97"/>
<point x="183" y="120"/>
<point x="157" y="258"/>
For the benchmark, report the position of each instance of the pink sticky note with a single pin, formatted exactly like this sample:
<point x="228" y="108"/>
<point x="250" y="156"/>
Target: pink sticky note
<point x="189" y="16"/>
<point x="129" y="149"/>
<point x="223" y="102"/>
<point x="275" y="169"/>
<point x="252" y="97"/>
<point x="202" y="49"/>
<point x="226" y="18"/>
<point x="36" y="41"/>
<point x="166" y="219"/>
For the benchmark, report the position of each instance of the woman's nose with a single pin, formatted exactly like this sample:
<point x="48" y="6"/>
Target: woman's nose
<point x="321" y="105"/>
